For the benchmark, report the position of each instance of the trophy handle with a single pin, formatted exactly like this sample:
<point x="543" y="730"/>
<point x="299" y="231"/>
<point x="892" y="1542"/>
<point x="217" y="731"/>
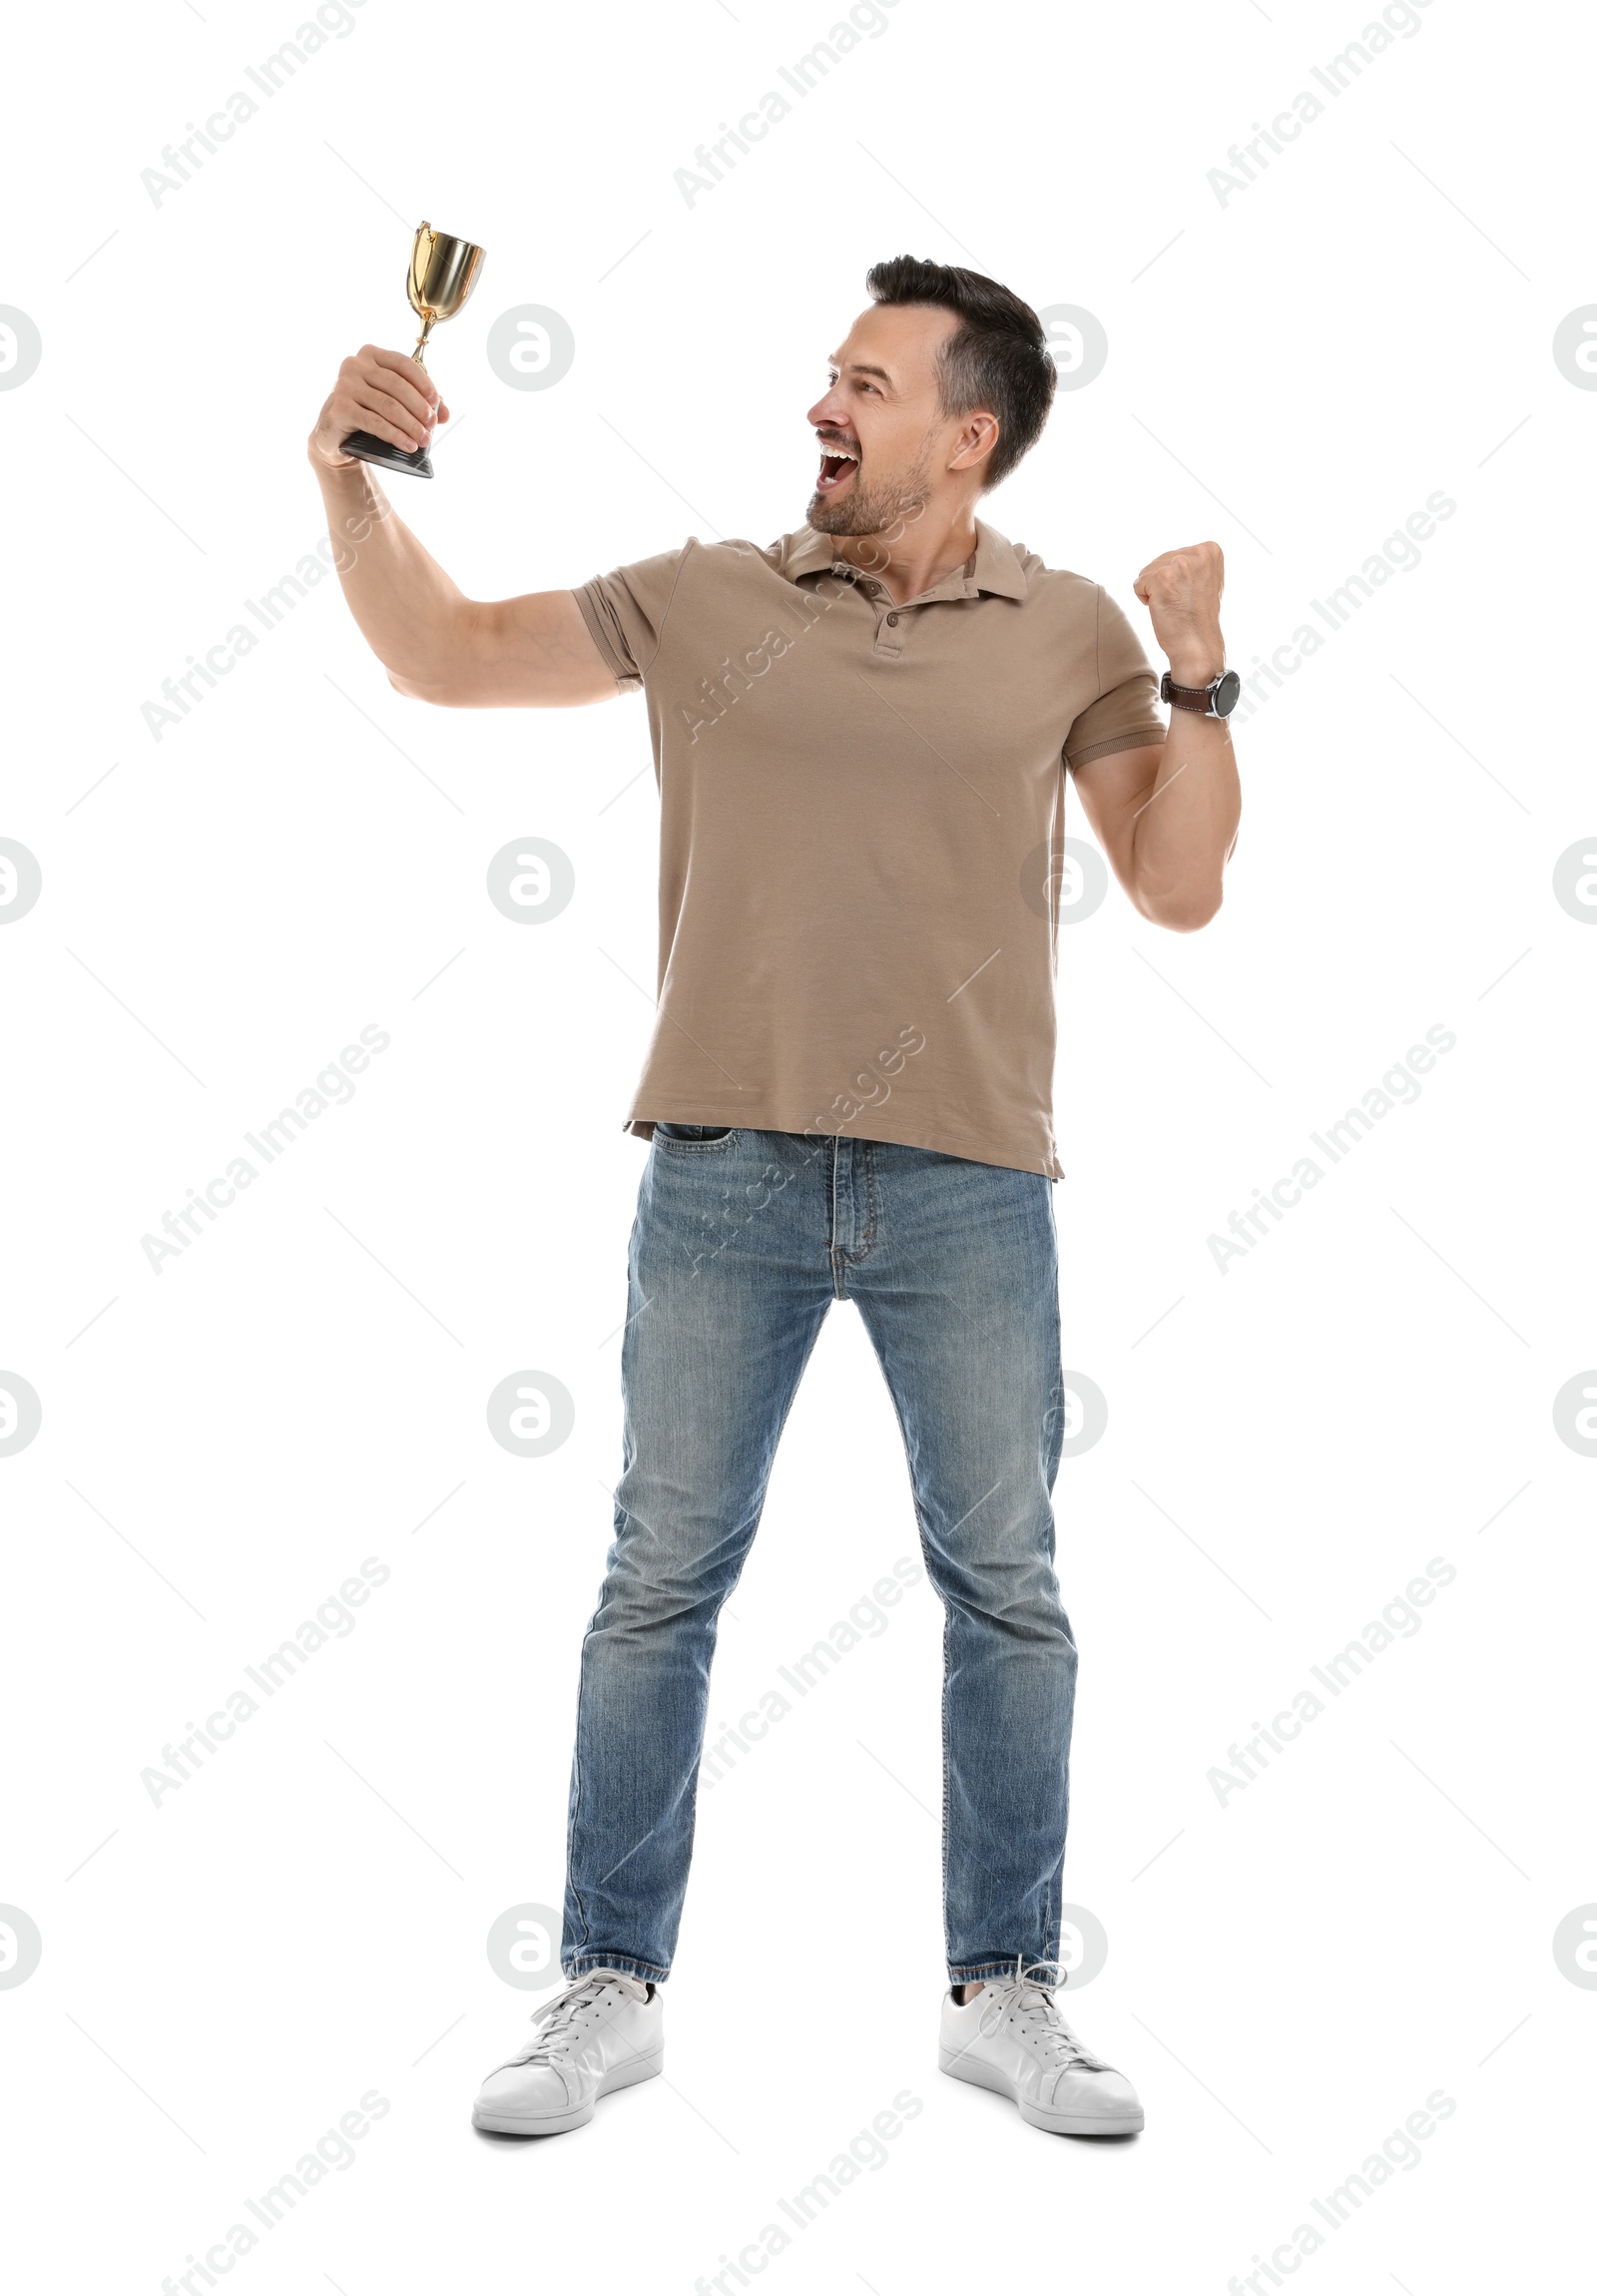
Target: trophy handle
<point x="420" y="257"/>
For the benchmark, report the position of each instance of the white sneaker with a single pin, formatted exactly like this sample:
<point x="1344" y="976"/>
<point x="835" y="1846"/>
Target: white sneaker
<point x="605" y="2032"/>
<point x="1010" y="2036"/>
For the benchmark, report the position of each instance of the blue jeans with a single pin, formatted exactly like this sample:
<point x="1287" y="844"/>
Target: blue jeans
<point x="742" y="1242"/>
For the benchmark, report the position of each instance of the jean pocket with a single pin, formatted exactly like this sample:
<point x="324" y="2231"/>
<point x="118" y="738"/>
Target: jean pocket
<point x="695" y="1135"/>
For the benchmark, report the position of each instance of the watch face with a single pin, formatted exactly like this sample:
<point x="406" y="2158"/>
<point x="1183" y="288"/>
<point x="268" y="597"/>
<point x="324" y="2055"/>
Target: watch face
<point x="1227" y="695"/>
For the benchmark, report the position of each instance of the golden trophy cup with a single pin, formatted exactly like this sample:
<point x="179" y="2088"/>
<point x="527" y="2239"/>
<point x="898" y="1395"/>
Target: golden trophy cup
<point x="443" y="272"/>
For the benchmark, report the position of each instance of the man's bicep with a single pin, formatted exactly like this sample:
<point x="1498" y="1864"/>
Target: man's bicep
<point x="533" y="652"/>
<point x="530" y="652"/>
<point x="1113" y="790"/>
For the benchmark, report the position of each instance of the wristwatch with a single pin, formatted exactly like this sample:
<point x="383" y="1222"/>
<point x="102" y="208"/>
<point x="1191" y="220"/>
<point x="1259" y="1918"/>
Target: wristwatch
<point x="1215" y="700"/>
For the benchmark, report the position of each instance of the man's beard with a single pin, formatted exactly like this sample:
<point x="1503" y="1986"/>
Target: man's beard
<point x="872" y="506"/>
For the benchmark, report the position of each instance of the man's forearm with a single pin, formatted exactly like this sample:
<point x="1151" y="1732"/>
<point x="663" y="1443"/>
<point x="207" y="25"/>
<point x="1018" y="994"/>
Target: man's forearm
<point x="1184" y="831"/>
<point x="408" y="610"/>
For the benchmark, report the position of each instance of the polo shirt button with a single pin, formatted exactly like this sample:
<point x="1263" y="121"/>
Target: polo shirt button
<point x="892" y="619"/>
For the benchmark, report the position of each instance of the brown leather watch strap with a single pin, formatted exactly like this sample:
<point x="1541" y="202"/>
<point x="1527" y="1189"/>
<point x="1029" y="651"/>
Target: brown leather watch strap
<point x="1185" y="697"/>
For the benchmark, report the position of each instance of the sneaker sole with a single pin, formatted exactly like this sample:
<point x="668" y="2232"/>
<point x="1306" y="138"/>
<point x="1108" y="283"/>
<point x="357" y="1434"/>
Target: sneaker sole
<point x="556" y="2123"/>
<point x="961" y="2065"/>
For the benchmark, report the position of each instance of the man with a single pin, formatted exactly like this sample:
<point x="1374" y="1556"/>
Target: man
<point x="861" y="737"/>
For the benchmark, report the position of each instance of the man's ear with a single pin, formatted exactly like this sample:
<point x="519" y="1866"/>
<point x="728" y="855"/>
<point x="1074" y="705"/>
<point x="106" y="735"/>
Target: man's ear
<point x="977" y="440"/>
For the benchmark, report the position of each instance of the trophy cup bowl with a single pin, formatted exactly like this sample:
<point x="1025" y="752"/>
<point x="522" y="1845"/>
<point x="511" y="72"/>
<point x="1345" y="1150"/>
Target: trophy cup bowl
<point x="444" y="272"/>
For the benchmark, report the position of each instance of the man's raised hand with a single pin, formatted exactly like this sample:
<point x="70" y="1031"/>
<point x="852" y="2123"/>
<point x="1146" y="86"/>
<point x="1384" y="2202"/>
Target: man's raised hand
<point x="1181" y="590"/>
<point x="384" y="392"/>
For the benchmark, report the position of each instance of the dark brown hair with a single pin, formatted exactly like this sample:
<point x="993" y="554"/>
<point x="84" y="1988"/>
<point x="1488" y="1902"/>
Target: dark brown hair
<point x="997" y="359"/>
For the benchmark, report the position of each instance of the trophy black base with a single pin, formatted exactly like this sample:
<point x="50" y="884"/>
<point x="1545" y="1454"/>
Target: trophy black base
<point x="365" y="448"/>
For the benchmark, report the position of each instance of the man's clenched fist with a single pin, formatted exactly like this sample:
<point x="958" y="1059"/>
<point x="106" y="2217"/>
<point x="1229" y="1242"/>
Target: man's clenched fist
<point x="1181" y="591"/>
<point x="384" y="392"/>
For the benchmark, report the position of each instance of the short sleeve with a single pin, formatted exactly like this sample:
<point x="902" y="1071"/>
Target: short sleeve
<point x="1125" y="715"/>
<point x="626" y="613"/>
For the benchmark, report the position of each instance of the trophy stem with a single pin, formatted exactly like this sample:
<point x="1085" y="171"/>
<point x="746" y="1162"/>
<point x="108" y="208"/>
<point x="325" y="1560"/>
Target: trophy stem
<point x="421" y="341"/>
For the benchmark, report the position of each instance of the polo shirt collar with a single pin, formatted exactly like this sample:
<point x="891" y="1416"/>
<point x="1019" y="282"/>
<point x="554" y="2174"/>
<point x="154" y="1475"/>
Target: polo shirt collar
<point x="997" y="568"/>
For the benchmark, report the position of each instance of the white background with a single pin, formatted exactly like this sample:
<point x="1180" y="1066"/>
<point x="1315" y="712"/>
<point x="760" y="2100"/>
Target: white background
<point x="1290" y="1973"/>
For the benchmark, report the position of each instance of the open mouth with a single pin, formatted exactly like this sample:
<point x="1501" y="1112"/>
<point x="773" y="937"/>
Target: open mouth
<point x="836" y="465"/>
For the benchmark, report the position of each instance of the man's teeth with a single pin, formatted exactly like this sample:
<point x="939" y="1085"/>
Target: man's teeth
<point x="834" y="461"/>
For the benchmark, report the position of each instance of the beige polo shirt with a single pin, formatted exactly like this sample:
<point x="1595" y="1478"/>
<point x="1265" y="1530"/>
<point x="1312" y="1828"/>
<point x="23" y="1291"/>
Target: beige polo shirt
<point x="861" y="821"/>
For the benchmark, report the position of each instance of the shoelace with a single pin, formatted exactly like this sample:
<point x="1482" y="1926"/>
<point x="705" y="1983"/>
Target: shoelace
<point x="1029" y="2000"/>
<point x="559" y="2016"/>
